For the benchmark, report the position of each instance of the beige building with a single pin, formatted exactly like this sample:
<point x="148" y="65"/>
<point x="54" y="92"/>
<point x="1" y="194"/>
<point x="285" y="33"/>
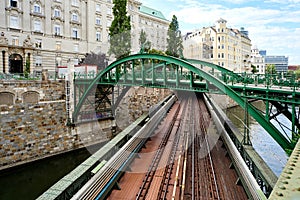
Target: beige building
<point x="48" y="34"/>
<point x="224" y="46"/>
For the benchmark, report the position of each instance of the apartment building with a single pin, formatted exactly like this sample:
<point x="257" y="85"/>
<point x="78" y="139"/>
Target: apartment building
<point x="48" y="34"/>
<point x="221" y="45"/>
<point x="258" y="61"/>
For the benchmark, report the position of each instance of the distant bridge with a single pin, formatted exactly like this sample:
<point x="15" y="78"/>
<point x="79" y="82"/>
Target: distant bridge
<point x="159" y="71"/>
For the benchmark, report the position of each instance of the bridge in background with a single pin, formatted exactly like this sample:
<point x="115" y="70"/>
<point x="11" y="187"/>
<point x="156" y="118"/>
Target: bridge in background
<point x="277" y="91"/>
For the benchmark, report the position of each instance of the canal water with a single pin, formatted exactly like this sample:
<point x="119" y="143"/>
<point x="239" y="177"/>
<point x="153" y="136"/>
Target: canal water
<point x="262" y="142"/>
<point x="30" y="181"/>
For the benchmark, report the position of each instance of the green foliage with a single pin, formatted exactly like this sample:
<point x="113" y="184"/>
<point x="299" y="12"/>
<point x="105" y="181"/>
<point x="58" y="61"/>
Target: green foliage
<point x="27" y="67"/>
<point x="254" y="69"/>
<point x="174" y="40"/>
<point x="95" y="59"/>
<point x="155" y="51"/>
<point x="119" y="32"/>
<point x="145" y="45"/>
<point x="271" y="69"/>
<point x="297" y="73"/>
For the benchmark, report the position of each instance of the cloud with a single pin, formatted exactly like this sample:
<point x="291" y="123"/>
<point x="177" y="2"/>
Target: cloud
<point x="282" y="2"/>
<point x="272" y="24"/>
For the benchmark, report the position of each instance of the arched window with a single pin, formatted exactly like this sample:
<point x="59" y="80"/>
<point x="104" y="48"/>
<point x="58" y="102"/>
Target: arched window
<point x="75" y="17"/>
<point x="37" y="8"/>
<point x="57" y="12"/>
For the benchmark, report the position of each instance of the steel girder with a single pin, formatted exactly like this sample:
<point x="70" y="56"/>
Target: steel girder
<point x="113" y="74"/>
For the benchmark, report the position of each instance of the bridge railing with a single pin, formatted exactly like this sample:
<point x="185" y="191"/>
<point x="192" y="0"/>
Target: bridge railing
<point x="19" y="76"/>
<point x="267" y="80"/>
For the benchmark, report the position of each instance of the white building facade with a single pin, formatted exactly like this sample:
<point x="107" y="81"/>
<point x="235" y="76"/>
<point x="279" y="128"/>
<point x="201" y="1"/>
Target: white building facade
<point x="47" y="34"/>
<point x="258" y="61"/>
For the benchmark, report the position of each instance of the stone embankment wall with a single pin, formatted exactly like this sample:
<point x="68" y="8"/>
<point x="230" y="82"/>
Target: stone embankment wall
<point x="137" y="101"/>
<point x="33" y="123"/>
<point x="33" y="120"/>
<point x="32" y="117"/>
<point x="223" y="101"/>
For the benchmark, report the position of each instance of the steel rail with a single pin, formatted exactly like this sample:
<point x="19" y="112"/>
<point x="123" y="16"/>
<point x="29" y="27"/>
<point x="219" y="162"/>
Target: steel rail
<point x="101" y="183"/>
<point x="154" y="164"/>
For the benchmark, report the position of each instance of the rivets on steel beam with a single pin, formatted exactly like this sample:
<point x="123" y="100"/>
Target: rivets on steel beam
<point x="279" y="194"/>
<point x="285" y="182"/>
<point x="282" y="187"/>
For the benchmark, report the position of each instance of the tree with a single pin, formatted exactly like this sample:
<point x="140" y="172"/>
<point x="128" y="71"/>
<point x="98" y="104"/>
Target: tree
<point x="271" y="69"/>
<point x="297" y="74"/>
<point x="254" y="69"/>
<point x="145" y="45"/>
<point x="174" y="40"/>
<point x="95" y="59"/>
<point x="27" y="67"/>
<point x="119" y="32"/>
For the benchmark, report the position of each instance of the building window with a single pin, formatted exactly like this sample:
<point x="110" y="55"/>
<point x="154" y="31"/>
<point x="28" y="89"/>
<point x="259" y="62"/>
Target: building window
<point x="108" y="1"/>
<point x="56" y="12"/>
<point x="108" y="23"/>
<point x="76" y="47"/>
<point x="98" y="8"/>
<point x="75" y="33"/>
<point x="38" y="60"/>
<point x="108" y="11"/>
<point x="74" y="17"/>
<point x="57" y="30"/>
<point x="130" y="7"/>
<point x="37" y="26"/>
<point x="74" y="2"/>
<point x="15" y="40"/>
<point x="98" y="36"/>
<point x="37" y="8"/>
<point x="14" y="3"/>
<point x="14" y="22"/>
<point x="58" y="46"/>
<point x="98" y="21"/>
<point x="38" y="43"/>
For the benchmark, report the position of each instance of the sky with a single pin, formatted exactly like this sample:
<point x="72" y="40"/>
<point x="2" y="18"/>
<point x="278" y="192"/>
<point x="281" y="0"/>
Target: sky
<point x="273" y="25"/>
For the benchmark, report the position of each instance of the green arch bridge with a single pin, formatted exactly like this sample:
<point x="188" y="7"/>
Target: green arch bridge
<point x="279" y="92"/>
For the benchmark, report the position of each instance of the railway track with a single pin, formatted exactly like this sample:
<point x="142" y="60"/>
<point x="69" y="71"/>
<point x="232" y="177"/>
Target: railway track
<point x="182" y="166"/>
<point x="172" y="119"/>
<point x="200" y="182"/>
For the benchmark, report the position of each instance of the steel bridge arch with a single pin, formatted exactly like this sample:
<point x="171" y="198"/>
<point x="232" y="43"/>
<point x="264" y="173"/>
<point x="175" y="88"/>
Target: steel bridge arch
<point x="270" y="128"/>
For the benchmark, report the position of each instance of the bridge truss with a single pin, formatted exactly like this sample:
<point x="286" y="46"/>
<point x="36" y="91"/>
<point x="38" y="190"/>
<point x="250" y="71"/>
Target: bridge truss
<point x="159" y="71"/>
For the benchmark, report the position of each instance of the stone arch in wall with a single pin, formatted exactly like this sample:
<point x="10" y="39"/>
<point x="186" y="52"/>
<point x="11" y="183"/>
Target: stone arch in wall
<point x="30" y="97"/>
<point x="7" y="98"/>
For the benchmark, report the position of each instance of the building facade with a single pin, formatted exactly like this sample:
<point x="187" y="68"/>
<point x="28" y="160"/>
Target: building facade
<point x="258" y="61"/>
<point x="281" y="62"/>
<point x="46" y="34"/>
<point x="224" y="46"/>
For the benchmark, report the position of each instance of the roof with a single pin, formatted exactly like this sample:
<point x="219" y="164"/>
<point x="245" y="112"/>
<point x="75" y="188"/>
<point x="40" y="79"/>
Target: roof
<point x="152" y="12"/>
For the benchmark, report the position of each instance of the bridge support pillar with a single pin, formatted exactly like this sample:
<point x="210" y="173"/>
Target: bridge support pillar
<point x="246" y="139"/>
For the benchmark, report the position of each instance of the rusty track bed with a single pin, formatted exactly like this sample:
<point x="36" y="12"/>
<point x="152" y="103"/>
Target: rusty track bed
<point x="185" y="163"/>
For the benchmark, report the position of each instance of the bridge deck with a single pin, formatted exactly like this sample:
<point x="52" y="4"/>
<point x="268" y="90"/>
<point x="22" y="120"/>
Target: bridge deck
<point x="288" y="184"/>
